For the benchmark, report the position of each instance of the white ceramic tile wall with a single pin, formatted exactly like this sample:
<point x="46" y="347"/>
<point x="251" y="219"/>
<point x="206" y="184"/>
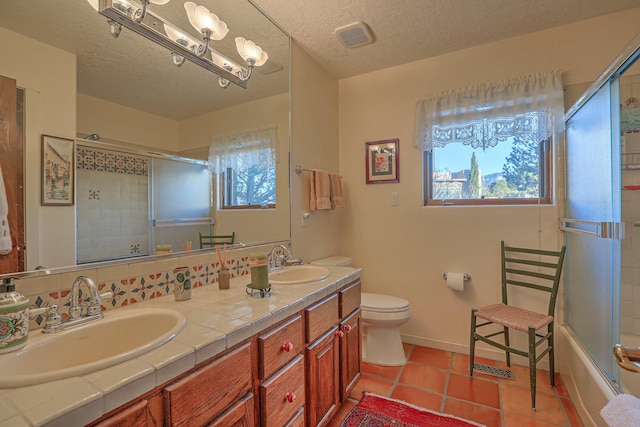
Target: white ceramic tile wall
<point x="113" y="214"/>
<point x="630" y="278"/>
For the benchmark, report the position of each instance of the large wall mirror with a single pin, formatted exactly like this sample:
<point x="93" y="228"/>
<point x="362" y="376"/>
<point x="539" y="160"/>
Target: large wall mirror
<point x="74" y="80"/>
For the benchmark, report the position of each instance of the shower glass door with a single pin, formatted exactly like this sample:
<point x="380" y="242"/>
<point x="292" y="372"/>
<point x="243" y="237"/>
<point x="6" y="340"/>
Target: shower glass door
<point x="592" y="271"/>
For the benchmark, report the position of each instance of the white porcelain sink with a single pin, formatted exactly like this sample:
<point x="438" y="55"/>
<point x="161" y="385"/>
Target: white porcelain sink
<point x="119" y="336"/>
<point x="298" y="274"/>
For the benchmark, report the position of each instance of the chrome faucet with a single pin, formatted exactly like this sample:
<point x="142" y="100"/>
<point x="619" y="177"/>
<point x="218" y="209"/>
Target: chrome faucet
<point x="280" y="256"/>
<point x="54" y="321"/>
<point x="277" y="256"/>
<point x="93" y="309"/>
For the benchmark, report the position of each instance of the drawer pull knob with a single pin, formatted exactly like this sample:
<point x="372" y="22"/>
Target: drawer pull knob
<point x="347" y="328"/>
<point x="288" y="346"/>
<point x="339" y="333"/>
<point x="291" y="396"/>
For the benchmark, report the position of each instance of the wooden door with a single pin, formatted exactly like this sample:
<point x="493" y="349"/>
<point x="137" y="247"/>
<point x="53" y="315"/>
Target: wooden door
<point x="11" y="164"/>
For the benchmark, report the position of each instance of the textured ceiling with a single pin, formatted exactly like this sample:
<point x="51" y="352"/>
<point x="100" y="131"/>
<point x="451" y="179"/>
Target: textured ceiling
<point x="409" y="30"/>
<point x="132" y="71"/>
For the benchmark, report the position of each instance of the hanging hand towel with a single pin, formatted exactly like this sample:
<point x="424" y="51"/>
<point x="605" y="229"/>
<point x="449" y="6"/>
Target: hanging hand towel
<point x="337" y="200"/>
<point x="312" y="192"/>
<point x="5" y="234"/>
<point x="622" y="411"/>
<point x="323" y="189"/>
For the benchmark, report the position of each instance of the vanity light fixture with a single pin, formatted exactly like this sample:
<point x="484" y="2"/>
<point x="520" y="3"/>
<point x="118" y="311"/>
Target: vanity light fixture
<point x="137" y="18"/>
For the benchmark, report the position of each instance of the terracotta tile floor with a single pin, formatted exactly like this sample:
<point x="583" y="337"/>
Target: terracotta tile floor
<point x="439" y="380"/>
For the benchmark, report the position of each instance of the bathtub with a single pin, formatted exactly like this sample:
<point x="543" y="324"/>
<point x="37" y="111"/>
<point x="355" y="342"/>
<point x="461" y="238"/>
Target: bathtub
<point x="588" y="387"/>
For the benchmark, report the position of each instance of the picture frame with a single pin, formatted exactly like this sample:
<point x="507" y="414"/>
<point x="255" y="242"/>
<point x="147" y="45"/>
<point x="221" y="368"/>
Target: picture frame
<point x="382" y="161"/>
<point x="57" y="171"/>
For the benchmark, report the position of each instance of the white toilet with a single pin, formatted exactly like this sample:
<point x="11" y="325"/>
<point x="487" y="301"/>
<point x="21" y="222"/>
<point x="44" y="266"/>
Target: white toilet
<point x="382" y="316"/>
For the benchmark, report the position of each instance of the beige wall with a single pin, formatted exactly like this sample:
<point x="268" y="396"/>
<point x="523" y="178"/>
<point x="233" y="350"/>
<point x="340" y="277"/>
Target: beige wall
<point x="119" y="123"/>
<point x="50" y="110"/>
<point x="314" y="145"/>
<point x="404" y="250"/>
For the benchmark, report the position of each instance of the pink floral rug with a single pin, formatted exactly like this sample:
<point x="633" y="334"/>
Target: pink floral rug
<point x="378" y="411"/>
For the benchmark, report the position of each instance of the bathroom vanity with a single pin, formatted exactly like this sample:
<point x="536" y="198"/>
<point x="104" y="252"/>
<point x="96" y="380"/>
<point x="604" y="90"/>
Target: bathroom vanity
<point x="288" y="359"/>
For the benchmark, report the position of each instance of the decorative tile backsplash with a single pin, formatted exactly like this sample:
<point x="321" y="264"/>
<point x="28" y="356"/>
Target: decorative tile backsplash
<point x="131" y="283"/>
<point x="101" y="160"/>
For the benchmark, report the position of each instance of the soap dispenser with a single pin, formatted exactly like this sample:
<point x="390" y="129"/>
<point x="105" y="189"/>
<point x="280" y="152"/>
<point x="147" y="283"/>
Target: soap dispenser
<point x="14" y="317"/>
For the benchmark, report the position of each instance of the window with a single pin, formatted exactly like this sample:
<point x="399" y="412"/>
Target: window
<point x="491" y="145"/>
<point x="246" y="167"/>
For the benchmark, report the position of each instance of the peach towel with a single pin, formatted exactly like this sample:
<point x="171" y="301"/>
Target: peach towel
<point x="337" y="200"/>
<point x="322" y="189"/>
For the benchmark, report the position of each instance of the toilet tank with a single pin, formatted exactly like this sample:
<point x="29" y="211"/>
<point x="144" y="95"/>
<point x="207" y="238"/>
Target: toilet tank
<point x="335" y="261"/>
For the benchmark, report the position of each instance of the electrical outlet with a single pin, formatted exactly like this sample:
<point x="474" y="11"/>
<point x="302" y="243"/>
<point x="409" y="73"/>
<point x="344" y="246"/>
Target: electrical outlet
<point x="395" y="199"/>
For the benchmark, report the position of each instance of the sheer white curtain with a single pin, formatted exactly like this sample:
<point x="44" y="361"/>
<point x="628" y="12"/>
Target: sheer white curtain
<point x="241" y="150"/>
<point x="482" y="116"/>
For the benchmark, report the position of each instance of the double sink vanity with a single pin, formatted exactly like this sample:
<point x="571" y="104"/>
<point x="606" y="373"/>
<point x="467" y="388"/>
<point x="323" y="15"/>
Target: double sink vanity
<point x="222" y="358"/>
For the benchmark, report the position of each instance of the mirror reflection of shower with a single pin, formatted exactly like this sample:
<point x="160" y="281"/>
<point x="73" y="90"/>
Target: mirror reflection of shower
<point x="630" y="262"/>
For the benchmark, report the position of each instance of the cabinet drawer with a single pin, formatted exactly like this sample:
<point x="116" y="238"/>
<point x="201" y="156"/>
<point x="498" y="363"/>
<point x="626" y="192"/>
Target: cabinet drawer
<point x="320" y="317"/>
<point x="280" y="345"/>
<point x="276" y="409"/>
<point x="239" y="415"/>
<point x="349" y="298"/>
<point x="199" y="397"/>
<point x="297" y="420"/>
<point x="137" y="415"/>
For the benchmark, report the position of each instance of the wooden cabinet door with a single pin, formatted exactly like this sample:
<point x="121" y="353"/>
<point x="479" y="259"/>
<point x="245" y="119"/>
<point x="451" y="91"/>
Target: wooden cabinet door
<point x="350" y="352"/>
<point x="323" y="382"/>
<point x="239" y="415"/>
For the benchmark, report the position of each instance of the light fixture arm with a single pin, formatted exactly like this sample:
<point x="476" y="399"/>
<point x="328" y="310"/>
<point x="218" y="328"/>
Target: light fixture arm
<point x="141" y="13"/>
<point x="206" y="38"/>
<point x="245" y="75"/>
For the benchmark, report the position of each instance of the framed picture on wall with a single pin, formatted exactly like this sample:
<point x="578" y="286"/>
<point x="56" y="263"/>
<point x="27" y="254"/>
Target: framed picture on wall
<point x="382" y="161"/>
<point x="57" y="170"/>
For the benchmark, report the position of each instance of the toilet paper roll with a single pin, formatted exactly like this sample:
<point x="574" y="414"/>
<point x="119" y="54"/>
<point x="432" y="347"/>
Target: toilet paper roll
<point x="455" y="281"/>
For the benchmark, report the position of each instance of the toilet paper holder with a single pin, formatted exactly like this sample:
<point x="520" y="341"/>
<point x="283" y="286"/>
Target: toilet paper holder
<point x="466" y="276"/>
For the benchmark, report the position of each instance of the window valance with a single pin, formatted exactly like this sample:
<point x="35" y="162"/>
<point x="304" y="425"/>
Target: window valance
<point x="481" y="116"/>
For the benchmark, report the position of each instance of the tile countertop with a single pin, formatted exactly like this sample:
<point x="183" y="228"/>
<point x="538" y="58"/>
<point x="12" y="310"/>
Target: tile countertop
<point x="216" y="320"/>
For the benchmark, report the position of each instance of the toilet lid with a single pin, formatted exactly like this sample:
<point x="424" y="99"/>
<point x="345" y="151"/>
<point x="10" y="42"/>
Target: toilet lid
<point x="380" y="302"/>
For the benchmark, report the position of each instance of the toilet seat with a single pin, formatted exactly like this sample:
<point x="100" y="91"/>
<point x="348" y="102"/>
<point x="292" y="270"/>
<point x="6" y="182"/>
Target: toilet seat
<point x="383" y="303"/>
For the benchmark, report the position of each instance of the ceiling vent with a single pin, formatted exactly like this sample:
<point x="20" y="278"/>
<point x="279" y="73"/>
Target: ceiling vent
<point x="354" y="35"/>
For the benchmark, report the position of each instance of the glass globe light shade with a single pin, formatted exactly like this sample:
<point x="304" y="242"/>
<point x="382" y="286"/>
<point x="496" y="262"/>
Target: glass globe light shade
<point x="248" y="50"/>
<point x="203" y="20"/>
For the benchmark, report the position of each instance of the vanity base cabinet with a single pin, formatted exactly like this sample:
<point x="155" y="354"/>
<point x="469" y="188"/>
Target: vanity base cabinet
<point x="293" y="374"/>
